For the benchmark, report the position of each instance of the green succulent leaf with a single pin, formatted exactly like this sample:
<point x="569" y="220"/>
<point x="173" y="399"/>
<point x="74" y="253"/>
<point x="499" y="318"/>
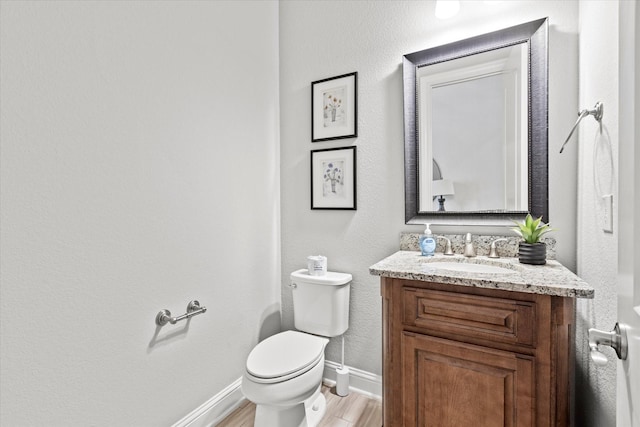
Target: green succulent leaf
<point x="531" y="230"/>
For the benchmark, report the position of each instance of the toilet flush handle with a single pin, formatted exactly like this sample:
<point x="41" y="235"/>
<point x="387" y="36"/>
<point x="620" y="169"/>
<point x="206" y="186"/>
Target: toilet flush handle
<point x="293" y="285"/>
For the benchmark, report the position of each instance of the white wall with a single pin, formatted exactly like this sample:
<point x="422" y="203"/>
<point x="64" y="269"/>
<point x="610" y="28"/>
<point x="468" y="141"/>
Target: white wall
<point x="140" y="162"/>
<point x="597" y="250"/>
<point x="328" y="38"/>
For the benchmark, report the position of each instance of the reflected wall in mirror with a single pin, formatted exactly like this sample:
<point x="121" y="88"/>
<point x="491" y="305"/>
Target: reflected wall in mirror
<point x="476" y="129"/>
<point x="470" y="113"/>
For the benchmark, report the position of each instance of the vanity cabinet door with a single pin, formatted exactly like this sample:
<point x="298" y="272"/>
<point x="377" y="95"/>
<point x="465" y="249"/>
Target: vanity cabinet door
<point x="467" y="357"/>
<point x="452" y="384"/>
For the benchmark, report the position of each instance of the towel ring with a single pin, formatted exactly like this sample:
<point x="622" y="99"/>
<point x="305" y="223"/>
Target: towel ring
<point x="597" y="113"/>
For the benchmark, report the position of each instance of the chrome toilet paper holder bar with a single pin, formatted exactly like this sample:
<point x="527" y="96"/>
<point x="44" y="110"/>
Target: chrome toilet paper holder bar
<point x="164" y="316"/>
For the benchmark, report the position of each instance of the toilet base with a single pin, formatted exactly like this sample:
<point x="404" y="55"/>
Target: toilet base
<point x="305" y="414"/>
<point x="315" y="408"/>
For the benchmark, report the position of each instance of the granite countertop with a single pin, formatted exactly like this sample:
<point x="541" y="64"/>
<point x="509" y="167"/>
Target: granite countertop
<point x="550" y="279"/>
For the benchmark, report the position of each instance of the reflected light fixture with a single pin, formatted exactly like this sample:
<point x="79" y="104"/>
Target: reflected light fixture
<point x="446" y="9"/>
<point x="442" y="187"/>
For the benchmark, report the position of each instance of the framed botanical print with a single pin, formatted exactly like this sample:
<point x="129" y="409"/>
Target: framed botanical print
<point x="333" y="178"/>
<point x="334" y="108"/>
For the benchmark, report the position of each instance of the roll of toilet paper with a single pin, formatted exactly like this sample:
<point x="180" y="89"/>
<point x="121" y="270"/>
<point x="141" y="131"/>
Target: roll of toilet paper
<point x="317" y="265"/>
<point x="342" y="381"/>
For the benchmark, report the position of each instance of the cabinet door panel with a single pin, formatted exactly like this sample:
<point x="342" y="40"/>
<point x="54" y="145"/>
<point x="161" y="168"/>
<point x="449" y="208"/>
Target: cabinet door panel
<point x="452" y="384"/>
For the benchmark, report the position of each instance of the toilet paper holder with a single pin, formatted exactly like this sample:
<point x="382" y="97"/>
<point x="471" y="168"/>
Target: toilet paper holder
<point x="164" y="316"/>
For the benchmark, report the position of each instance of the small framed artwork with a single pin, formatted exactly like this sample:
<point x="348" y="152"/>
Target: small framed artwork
<point x="333" y="178"/>
<point x="334" y="108"/>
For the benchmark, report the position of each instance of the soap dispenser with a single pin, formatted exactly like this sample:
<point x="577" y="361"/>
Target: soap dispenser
<point x="427" y="242"/>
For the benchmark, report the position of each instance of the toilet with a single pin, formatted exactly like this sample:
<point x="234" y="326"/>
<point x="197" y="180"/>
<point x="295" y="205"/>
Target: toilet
<point x="283" y="373"/>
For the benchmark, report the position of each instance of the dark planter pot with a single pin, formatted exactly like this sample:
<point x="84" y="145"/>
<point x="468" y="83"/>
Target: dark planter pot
<point x="533" y="253"/>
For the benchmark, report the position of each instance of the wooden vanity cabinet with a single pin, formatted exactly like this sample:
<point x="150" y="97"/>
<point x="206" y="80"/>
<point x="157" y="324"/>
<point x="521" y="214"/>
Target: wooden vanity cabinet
<point x="457" y="356"/>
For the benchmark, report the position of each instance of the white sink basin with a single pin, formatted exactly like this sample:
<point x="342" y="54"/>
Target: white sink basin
<point x="467" y="267"/>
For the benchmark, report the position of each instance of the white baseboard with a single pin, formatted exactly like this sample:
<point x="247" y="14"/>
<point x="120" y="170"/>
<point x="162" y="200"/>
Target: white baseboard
<point x="360" y="381"/>
<point x="222" y="404"/>
<point x="215" y="409"/>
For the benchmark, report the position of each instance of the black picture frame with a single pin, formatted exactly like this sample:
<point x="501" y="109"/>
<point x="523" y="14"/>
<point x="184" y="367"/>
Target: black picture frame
<point x="334" y="108"/>
<point x="333" y="178"/>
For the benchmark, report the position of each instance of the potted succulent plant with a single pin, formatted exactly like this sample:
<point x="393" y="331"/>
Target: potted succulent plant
<point x="532" y="250"/>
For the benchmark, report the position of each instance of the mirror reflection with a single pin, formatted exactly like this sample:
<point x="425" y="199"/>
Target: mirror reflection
<point x="472" y="115"/>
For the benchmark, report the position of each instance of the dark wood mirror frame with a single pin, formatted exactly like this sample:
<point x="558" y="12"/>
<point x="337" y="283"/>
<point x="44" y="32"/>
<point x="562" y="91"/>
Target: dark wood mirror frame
<point x="535" y="34"/>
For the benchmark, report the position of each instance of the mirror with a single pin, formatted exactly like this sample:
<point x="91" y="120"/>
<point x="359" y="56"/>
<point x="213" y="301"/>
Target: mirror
<point x="476" y="129"/>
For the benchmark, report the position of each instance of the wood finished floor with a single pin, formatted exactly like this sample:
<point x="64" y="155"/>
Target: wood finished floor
<point x="353" y="410"/>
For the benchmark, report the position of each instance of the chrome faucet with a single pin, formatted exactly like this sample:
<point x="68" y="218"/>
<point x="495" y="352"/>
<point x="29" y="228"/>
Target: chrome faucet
<point x="493" y="252"/>
<point x="469" y="249"/>
<point x="447" y="248"/>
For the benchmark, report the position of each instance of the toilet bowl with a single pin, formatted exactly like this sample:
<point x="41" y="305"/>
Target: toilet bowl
<point x="283" y="377"/>
<point x="283" y="373"/>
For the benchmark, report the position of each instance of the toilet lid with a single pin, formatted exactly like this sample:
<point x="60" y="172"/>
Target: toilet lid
<point x="285" y="353"/>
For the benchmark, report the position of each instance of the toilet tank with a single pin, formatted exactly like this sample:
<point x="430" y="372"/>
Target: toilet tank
<point x="321" y="303"/>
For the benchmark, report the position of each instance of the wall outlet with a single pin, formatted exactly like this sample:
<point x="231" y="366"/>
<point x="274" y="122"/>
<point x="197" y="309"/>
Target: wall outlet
<point x="607" y="215"/>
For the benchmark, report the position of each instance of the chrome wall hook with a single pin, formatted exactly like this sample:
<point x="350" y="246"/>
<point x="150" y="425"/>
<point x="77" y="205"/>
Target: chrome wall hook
<point x="164" y="316"/>
<point x="597" y="113"/>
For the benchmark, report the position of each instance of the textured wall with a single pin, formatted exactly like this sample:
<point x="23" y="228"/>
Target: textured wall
<point x="597" y="250"/>
<point x="139" y="140"/>
<point x="328" y="38"/>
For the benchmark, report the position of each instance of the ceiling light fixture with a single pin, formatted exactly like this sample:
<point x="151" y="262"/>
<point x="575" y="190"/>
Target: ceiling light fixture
<point x="446" y="9"/>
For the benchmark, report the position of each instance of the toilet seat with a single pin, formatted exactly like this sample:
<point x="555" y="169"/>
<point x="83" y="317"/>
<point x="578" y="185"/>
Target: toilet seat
<point x="284" y="356"/>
